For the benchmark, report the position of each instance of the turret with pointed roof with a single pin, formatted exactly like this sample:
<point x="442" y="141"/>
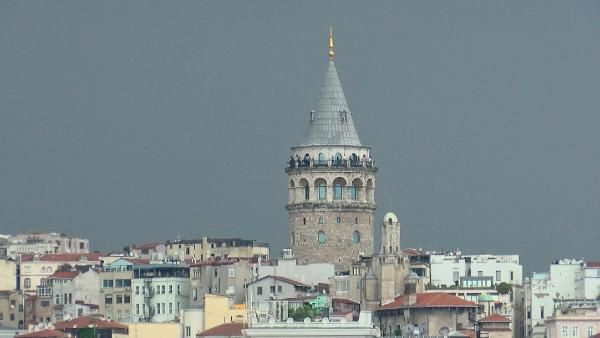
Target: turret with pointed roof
<point x="331" y="177"/>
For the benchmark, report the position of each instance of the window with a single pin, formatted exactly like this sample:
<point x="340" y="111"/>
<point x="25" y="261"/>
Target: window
<point x="512" y="276"/>
<point x="455" y="276"/>
<point x="12" y="317"/>
<point x="162" y="289"/>
<point x="353" y="192"/>
<point x="279" y="288"/>
<point x="272" y="289"/>
<point x="259" y="290"/>
<point x="338" y="220"/>
<point x="137" y="290"/>
<point x="304" y="220"/>
<point x="81" y="246"/>
<point x="341" y="285"/>
<point x="178" y="289"/>
<point x="355" y="220"/>
<point x="195" y="294"/>
<point x="356" y="237"/>
<point x="306" y="192"/>
<point x="231" y="272"/>
<point x="575" y="330"/>
<point x="137" y="309"/>
<point x="590" y="330"/>
<point x="108" y="299"/>
<point x="118" y="283"/>
<point x="57" y="299"/>
<point x="321" y="237"/>
<point x="27" y="283"/>
<point x="157" y="308"/>
<point x="498" y="275"/>
<point x="158" y="289"/>
<point x="127" y="299"/>
<point x="170" y="288"/>
<point x="170" y="308"/>
<point x="107" y="283"/>
<point x="188" y="331"/>
<point x="322" y="191"/>
<point x="542" y="315"/>
<point x="337" y="191"/>
<point x="44" y="303"/>
<point x="321" y="220"/>
<point x="1" y="316"/>
<point x="162" y="308"/>
<point x="479" y="273"/>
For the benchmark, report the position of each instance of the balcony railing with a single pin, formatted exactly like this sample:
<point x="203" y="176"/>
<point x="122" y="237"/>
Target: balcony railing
<point x="336" y="164"/>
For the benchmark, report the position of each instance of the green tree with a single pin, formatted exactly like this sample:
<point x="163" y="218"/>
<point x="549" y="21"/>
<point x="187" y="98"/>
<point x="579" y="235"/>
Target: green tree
<point x="305" y="311"/>
<point x="503" y="288"/>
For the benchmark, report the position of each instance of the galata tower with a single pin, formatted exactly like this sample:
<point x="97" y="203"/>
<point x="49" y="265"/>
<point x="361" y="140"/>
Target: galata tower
<point x="331" y="182"/>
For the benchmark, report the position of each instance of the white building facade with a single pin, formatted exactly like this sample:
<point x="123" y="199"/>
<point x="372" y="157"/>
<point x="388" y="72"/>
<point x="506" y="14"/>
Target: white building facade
<point x="447" y="269"/>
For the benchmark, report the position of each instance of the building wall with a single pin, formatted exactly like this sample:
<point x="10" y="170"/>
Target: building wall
<point x="432" y="318"/>
<point x="220" y="278"/>
<point x="446" y="268"/>
<point x="62" y="299"/>
<point x="205" y="249"/>
<point x="123" y="311"/>
<point x="175" y="297"/>
<point x="310" y="274"/>
<point x="35" y="271"/>
<point x="218" y="311"/>
<point x="8" y="275"/>
<point x="591" y="282"/>
<point x="86" y="287"/>
<point x="155" y="330"/>
<point x="287" y="290"/>
<point x="192" y="322"/>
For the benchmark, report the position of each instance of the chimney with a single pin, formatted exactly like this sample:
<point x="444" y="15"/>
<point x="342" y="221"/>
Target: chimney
<point x="410" y="289"/>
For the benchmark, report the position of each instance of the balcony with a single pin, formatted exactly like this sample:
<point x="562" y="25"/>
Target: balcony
<point x="330" y="165"/>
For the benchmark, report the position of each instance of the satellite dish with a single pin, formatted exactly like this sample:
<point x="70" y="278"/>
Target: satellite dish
<point x="444" y="331"/>
<point x="408" y="329"/>
<point x="422" y="329"/>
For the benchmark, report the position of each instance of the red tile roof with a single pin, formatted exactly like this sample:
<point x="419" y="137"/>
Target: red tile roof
<point x="495" y="318"/>
<point x="87" y="322"/>
<point x="72" y="257"/>
<point x="44" y="334"/>
<point x="64" y="275"/>
<point x="224" y="330"/>
<point x="428" y="300"/>
<point x="592" y="264"/>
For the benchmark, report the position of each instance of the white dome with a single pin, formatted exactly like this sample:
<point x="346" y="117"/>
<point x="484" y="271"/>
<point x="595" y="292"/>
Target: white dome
<point x="392" y="216"/>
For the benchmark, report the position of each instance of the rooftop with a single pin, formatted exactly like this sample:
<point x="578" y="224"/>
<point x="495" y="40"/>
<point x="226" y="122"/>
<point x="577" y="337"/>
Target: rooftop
<point x="224" y="330"/>
<point x="430" y="300"/>
<point x="495" y="318"/>
<point x="63" y="257"/>
<point x="89" y="321"/>
<point x="44" y="334"/>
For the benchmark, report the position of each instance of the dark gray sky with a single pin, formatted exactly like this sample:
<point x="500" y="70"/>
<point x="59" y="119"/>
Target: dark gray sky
<point x="135" y="121"/>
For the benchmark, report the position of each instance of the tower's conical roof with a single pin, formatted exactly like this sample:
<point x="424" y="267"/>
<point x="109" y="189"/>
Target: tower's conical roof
<point x="331" y="120"/>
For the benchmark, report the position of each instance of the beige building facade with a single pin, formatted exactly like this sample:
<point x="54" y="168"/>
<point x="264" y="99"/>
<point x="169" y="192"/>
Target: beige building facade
<point x="8" y="274"/>
<point x="216" y="248"/>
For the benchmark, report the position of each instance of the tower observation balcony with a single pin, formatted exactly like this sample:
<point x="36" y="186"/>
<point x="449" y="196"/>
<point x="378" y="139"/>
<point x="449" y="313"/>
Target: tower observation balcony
<point x="330" y="165"/>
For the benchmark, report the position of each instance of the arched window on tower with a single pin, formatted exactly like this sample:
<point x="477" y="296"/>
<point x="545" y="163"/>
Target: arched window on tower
<point x="355" y="237"/>
<point x="321" y="159"/>
<point x="306" y="192"/>
<point x="321" y="189"/>
<point x="338" y="188"/>
<point x="321" y="237"/>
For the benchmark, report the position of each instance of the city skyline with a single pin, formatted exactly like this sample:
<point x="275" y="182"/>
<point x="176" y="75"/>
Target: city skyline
<point x="174" y="123"/>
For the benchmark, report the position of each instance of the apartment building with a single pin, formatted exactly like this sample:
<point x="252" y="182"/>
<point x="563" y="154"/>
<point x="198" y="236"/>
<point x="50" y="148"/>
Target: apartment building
<point x="16" y="309"/>
<point x="36" y="268"/>
<point x="46" y="243"/>
<point x="223" y="277"/>
<point x="116" y="290"/>
<point x="216" y="248"/>
<point x="160" y="291"/>
<point x="8" y="274"/>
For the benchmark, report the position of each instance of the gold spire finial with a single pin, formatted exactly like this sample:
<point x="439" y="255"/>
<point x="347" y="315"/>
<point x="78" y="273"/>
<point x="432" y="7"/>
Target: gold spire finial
<point x="331" y="52"/>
